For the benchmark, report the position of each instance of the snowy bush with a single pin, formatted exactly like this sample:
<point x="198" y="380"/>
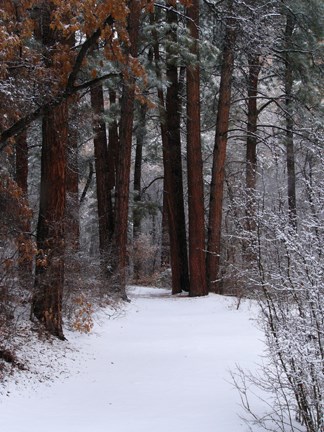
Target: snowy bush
<point x="290" y="278"/>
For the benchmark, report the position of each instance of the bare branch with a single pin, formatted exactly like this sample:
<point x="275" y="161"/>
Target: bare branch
<point x="87" y="185"/>
<point x="69" y="90"/>
<point x="144" y="189"/>
<point x="90" y="42"/>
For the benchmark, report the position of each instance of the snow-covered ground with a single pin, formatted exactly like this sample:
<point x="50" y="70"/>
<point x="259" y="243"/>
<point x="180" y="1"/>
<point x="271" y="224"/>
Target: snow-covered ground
<point x="161" y="365"/>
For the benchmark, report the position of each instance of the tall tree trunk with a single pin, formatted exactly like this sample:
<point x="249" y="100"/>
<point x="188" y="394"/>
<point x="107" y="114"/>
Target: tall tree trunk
<point x="290" y="155"/>
<point x="49" y="272"/>
<point x="124" y="163"/>
<point x="25" y="259"/>
<point x="251" y="140"/>
<point x="197" y="263"/>
<point x="173" y="173"/>
<point x="105" y="213"/>
<point x="165" y="237"/>
<point x="140" y="136"/>
<point x="49" y="281"/>
<point x="137" y="210"/>
<point x="219" y="155"/>
<point x="113" y="145"/>
<point x="72" y="224"/>
<point x="72" y="217"/>
<point x="165" y="241"/>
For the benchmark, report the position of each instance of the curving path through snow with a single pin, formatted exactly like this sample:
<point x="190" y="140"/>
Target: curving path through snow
<point x="161" y="366"/>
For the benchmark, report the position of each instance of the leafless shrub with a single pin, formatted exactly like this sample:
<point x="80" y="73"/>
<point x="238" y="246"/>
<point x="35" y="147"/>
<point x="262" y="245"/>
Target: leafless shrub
<point x="88" y="286"/>
<point x="290" y="278"/>
<point x="145" y="260"/>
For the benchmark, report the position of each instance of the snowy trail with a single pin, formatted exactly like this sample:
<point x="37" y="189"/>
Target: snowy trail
<point x="163" y="365"/>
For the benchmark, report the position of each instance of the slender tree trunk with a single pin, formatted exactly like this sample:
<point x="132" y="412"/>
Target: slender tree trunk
<point x="219" y="155"/>
<point x="173" y="174"/>
<point x="124" y="165"/>
<point x="251" y="140"/>
<point x="165" y="238"/>
<point x="72" y="187"/>
<point x="113" y="145"/>
<point x="72" y="217"/>
<point x="140" y="136"/>
<point x="137" y="210"/>
<point x="197" y="263"/>
<point x="290" y="155"/>
<point x="105" y="214"/>
<point x="49" y="282"/>
<point x="165" y="241"/>
<point x="166" y="228"/>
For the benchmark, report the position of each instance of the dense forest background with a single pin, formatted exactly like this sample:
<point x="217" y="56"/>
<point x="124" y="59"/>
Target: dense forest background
<point x="174" y="142"/>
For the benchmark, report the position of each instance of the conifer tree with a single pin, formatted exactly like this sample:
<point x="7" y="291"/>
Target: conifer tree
<point x="49" y="274"/>
<point x="219" y="155"/>
<point x="124" y="157"/>
<point x="198" y="285"/>
<point x="173" y="165"/>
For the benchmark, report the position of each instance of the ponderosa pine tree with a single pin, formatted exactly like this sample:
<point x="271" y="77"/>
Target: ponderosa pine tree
<point x="197" y="259"/>
<point x="219" y="155"/>
<point x="102" y="162"/>
<point x="165" y="240"/>
<point x="72" y="215"/>
<point x="49" y="276"/>
<point x="49" y="273"/>
<point x="124" y="157"/>
<point x="173" y="182"/>
<point x="137" y="210"/>
<point x="113" y="143"/>
<point x="25" y="258"/>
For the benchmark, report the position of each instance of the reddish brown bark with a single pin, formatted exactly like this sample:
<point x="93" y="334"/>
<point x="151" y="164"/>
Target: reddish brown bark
<point x="166" y="228"/>
<point x="140" y="136"/>
<point x="25" y="259"/>
<point x="219" y="155"/>
<point x="165" y="240"/>
<point x="173" y="205"/>
<point x="113" y="145"/>
<point x="197" y="263"/>
<point x="72" y="231"/>
<point x="137" y="210"/>
<point x="251" y="141"/>
<point x="72" y="211"/>
<point x="104" y="203"/>
<point x="49" y="272"/>
<point x="49" y="281"/>
<point x="124" y="161"/>
<point x="173" y="183"/>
